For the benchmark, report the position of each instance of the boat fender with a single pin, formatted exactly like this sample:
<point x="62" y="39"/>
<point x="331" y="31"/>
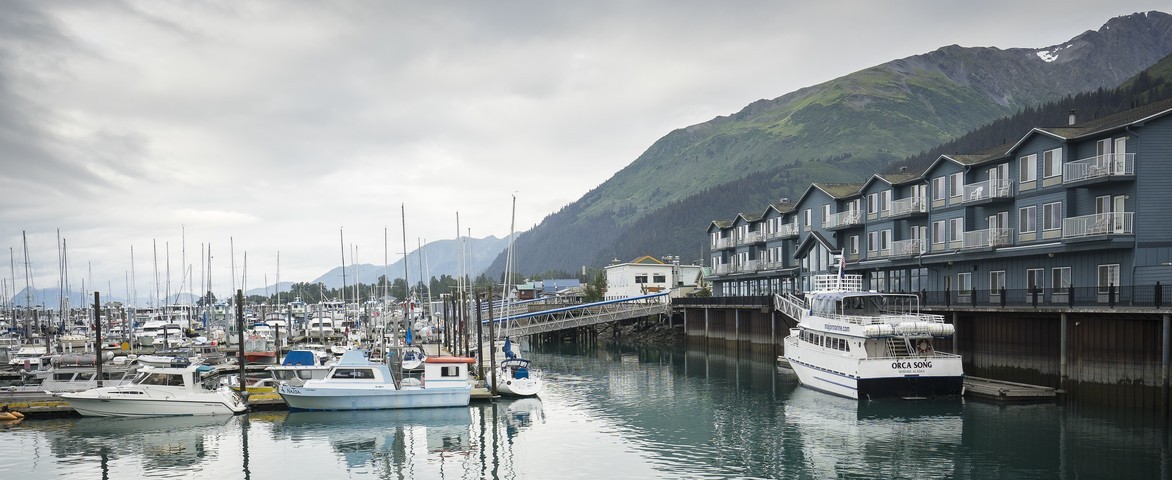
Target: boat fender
<point x="6" y="416"/>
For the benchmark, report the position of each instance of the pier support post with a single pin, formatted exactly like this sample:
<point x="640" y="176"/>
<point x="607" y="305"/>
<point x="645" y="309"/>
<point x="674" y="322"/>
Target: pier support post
<point x="1063" y="335"/>
<point x="1167" y="351"/>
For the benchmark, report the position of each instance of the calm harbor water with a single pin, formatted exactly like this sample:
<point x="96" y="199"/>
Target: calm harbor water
<point x="615" y="413"/>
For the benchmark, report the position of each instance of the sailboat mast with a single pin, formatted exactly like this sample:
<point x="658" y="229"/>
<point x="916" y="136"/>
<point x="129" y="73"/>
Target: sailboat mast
<point x="406" y="282"/>
<point x="342" y="245"/>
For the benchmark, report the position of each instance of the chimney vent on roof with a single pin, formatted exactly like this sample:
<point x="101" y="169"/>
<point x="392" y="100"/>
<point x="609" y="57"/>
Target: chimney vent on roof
<point x="1070" y="118"/>
<point x="784" y="199"/>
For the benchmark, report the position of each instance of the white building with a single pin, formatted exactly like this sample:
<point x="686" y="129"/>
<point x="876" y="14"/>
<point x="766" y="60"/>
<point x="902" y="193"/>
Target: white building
<point x="647" y="275"/>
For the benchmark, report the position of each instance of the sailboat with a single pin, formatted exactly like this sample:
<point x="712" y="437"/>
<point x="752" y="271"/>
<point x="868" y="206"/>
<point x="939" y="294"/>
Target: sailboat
<point x="516" y="376"/>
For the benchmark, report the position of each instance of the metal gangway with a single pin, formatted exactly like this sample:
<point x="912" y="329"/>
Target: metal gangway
<point x="583" y="315"/>
<point x="790" y="305"/>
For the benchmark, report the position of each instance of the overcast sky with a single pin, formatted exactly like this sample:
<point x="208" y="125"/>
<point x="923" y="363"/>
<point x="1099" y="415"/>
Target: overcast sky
<point x="293" y="127"/>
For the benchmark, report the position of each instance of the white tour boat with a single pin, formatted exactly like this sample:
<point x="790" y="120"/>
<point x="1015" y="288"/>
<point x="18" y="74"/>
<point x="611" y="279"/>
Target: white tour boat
<point x="156" y="392"/>
<point x="356" y="383"/>
<point x="867" y="345"/>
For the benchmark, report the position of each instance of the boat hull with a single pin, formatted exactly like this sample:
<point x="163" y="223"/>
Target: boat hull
<point x="519" y="387"/>
<point x="105" y="406"/>
<point x="320" y="398"/>
<point x="879" y="387"/>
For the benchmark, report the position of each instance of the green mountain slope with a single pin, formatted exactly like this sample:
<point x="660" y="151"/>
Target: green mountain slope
<point x="838" y="131"/>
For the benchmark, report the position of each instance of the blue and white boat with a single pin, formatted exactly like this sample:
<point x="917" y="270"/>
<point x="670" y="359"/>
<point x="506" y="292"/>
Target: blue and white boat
<point x="516" y="376"/>
<point x="356" y="383"/>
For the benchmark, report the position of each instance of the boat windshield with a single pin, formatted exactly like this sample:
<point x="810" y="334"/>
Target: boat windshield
<point x="864" y="305"/>
<point x="159" y="378"/>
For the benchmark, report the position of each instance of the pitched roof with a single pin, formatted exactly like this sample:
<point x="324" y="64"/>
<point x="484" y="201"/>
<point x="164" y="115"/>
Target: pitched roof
<point x="839" y="191"/>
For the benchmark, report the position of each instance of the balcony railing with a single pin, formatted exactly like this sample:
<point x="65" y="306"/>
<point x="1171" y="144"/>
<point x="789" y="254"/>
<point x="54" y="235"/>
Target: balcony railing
<point x="908" y="206"/>
<point x="988" y="237"/>
<point x="1111" y="164"/>
<point x="788" y="230"/>
<point x="1113" y="223"/>
<point x="725" y="242"/>
<point x="848" y="218"/>
<point x="908" y="248"/>
<point x="988" y="189"/>
<point x="749" y="266"/>
<point x="751" y="238"/>
<point x="723" y="269"/>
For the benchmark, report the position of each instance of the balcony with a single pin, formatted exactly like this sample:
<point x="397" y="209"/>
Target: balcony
<point x="1107" y="167"/>
<point x="908" y="248"/>
<point x="987" y="238"/>
<point x="749" y="266"/>
<point x="840" y="220"/>
<point x="751" y="238"/>
<point x="987" y="191"/>
<point x="724" y="242"/>
<point x="789" y="230"/>
<point x="906" y="207"/>
<point x="722" y="269"/>
<point x="1098" y="225"/>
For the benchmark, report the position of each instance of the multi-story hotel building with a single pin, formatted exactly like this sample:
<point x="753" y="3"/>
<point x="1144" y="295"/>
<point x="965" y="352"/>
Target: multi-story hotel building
<point x="1079" y="214"/>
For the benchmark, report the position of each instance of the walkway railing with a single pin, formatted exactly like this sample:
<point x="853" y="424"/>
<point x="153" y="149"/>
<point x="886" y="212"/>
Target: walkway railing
<point x="584" y="315"/>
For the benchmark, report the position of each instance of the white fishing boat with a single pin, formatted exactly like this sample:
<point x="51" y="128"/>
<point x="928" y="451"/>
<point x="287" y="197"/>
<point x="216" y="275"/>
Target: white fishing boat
<point x="28" y="357"/>
<point x="516" y="376"/>
<point x="356" y="383"/>
<point x="867" y="345"/>
<point x="158" y="392"/>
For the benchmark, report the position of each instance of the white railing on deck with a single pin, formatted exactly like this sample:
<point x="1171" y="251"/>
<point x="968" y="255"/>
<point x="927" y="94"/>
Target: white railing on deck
<point x="987" y="189"/>
<point x="989" y="237"/>
<point x="1113" y="223"/>
<point x="844" y="219"/>
<point x="1099" y="166"/>
<point x="905" y="248"/>
<point x="905" y="206"/>
<point x="834" y="283"/>
<point x="785" y="231"/>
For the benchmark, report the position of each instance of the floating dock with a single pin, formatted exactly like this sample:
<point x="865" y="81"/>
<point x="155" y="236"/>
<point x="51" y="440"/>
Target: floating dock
<point x="989" y="389"/>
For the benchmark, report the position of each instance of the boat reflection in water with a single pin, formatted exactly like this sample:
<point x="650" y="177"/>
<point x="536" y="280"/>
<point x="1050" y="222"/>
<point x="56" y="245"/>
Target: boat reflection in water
<point x="385" y="440"/>
<point x="521" y="414"/>
<point x="924" y="434"/>
<point x="159" y="444"/>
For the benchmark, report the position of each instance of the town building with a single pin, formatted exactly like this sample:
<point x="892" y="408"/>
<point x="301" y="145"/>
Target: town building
<point x="1064" y="215"/>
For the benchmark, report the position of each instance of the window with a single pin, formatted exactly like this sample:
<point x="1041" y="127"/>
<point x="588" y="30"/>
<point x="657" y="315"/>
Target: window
<point x="1029" y="168"/>
<point x="1052" y="163"/>
<point x="640" y="278"/>
<point x="826" y="212"/>
<point x="659" y="278"/>
<point x="855" y="244"/>
<point x="996" y="281"/>
<point x="938" y="188"/>
<point x="955" y="229"/>
<point x="964" y="282"/>
<point x="1052" y="216"/>
<point x="1027" y="219"/>
<point x="873" y="203"/>
<point x="885" y="200"/>
<point x="1060" y="279"/>
<point x="872" y="241"/>
<point x="1108" y="276"/>
<point x="956" y="184"/>
<point x="885" y="240"/>
<point x="938" y="232"/>
<point x="1034" y="280"/>
<point x="809" y="216"/>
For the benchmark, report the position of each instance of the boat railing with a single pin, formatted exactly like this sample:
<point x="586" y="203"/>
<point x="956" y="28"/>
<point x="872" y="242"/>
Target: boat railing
<point x="932" y="354"/>
<point x="886" y="319"/>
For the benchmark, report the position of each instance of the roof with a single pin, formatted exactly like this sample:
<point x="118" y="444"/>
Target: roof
<point x="808" y="243"/>
<point x="647" y="260"/>
<point x="839" y="191"/>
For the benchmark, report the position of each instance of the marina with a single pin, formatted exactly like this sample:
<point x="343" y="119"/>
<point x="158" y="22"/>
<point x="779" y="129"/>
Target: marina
<point x="626" y="412"/>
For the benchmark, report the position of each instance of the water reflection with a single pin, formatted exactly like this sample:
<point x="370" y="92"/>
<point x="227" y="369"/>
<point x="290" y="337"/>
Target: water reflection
<point x="383" y="440"/>
<point x="167" y="445"/>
